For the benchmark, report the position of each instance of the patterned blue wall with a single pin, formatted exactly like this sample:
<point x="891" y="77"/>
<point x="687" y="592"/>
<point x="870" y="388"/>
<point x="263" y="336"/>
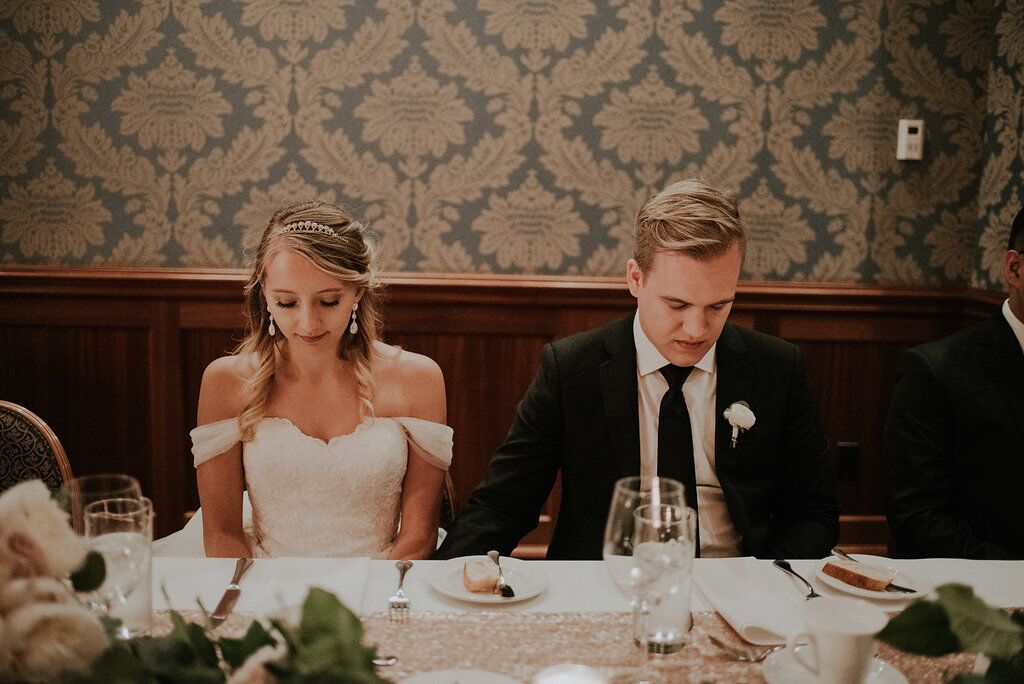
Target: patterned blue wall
<point x="512" y="136"/>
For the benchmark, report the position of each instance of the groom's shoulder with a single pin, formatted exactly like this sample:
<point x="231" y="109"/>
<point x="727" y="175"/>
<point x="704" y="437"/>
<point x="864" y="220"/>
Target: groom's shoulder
<point x="596" y="342"/>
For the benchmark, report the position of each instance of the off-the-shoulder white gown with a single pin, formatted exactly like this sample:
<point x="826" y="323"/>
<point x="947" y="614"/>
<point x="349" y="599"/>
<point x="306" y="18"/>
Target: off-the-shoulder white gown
<point x="315" y="498"/>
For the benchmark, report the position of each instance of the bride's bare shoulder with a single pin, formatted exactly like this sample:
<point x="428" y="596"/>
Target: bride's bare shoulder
<point x="414" y="377"/>
<point x="233" y="369"/>
<point x="404" y="365"/>
<point x="220" y="395"/>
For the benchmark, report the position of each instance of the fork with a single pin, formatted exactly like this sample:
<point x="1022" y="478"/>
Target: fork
<point x="398" y="603"/>
<point x="747" y="654"/>
<point x="786" y="567"/>
<point x="504" y="587"/>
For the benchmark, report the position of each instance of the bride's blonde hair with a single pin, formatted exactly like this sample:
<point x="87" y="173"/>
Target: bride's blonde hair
<point x="348" y="252"/>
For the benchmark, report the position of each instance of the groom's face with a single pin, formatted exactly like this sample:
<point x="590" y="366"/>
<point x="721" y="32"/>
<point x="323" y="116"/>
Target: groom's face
<point x="684" y="302"/>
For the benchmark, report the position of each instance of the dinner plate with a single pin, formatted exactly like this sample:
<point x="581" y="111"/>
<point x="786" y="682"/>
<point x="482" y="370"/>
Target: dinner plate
<point x="525" y="578"/>
<point x="782" y="668"/>
<point x="911" y="579"/>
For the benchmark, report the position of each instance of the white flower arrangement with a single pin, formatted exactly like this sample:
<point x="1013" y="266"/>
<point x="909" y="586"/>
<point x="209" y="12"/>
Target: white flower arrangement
<point x="44" y="631"/>
<point x="740" y="417"/>
<point x="48" y="635"/>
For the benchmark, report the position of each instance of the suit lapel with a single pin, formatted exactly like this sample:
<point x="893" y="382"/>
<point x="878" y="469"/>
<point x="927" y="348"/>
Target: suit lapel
<point x="735" y="383"/>
<point x="1001" y="356"/>
<point x="621" y="402"/>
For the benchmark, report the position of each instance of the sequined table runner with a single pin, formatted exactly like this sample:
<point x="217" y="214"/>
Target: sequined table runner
<point x="520" y="644"/>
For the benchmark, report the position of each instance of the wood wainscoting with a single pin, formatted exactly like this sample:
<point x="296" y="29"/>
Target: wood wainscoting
<point x="112" y="360"/>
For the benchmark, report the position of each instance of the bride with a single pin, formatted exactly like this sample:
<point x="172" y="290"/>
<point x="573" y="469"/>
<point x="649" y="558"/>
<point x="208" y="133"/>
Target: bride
<point x="337" y="436"/>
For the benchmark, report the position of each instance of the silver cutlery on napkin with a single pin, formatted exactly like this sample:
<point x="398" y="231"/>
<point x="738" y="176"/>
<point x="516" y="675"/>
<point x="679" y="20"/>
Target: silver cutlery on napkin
<point x="504" y="587"/>
<point x="892" y="586"/>
<point x="786" y="567"/>
<point x="230" y="597"/>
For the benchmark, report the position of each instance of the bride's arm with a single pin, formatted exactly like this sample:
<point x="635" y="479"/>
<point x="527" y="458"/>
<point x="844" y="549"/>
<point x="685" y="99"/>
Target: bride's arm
<point x="423" y="387"/>
<point x="221" y="479"/>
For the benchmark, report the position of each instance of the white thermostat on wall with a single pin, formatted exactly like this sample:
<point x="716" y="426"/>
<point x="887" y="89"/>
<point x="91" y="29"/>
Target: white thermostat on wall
<point x="910" y="139"/>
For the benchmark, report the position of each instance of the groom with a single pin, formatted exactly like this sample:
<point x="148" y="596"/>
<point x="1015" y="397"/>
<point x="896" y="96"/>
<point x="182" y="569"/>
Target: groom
<point x="647" y="394"/>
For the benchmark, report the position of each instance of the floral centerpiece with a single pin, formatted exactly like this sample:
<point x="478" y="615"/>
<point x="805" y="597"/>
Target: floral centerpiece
<point x="958" y="621"/>
<point x="48" y="635"/>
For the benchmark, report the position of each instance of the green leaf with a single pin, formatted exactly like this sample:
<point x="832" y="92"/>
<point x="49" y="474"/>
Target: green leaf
<point x="980" y="628"/>
<point x="117" y="665"/>
<point x="235" y="651"/>
<point x="195" y="636"/>
<point x="288" y="634"/>
<point x="1004" y="672"/>
<point x="922" y="628"/>
<point x="185" y="655"/>
<point x="323" y="615"/>
<point x="171" y="659"/>
<point x="90" y="576"/>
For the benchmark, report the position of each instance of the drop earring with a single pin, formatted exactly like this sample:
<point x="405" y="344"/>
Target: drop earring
<point x="354" y="327"/>
<point x="270" y="328"/>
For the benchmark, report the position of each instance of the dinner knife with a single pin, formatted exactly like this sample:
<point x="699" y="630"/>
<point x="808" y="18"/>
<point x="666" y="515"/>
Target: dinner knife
<point x="230" y="597"/>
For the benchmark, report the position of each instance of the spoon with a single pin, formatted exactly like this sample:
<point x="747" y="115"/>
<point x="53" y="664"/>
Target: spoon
<point x="786" y="567"/>
<point x="503" y="586"/>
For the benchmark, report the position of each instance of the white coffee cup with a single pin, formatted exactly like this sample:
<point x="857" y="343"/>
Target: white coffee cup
<point x="840" y="638"/>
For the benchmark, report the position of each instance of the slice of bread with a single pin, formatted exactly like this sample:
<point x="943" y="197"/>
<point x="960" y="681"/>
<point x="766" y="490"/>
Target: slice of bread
<point x="861" y="575"/>
<point x="480" y="575"/>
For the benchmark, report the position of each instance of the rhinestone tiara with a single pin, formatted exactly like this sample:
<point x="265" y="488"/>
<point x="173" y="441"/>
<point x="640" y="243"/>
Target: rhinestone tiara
<point x="309" y="227"/>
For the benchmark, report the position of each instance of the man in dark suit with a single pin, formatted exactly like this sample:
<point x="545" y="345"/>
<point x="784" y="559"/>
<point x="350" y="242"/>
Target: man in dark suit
<point x="647" y="395"/>
<point x="955" y="436"/>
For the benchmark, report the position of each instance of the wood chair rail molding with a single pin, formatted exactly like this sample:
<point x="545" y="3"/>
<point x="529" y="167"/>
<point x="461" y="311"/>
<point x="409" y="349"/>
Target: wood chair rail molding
<point x="442" y="287"/>
<point x="112" y="359"/>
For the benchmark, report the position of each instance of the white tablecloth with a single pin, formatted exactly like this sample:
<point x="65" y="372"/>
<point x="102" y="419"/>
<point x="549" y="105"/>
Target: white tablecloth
<point x="364" y="585"/>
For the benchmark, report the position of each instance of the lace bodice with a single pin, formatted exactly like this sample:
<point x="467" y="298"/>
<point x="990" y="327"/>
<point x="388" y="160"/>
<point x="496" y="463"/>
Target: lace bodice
<point x="316" y="498"/>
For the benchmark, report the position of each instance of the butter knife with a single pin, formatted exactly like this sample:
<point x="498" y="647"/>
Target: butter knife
<point x="230" y="597"/>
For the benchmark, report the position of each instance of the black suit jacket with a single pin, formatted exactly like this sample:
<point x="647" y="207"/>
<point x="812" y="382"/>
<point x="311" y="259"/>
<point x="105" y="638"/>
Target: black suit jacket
<point x="954" y="442"/>
<point x="581" y="417"/>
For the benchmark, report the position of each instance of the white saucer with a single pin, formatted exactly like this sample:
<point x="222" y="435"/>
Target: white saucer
<point x="460" y="676"/>
<point x="526" y="579"/>
<point x="911" y="579"/>
<point x="781" y="668"/>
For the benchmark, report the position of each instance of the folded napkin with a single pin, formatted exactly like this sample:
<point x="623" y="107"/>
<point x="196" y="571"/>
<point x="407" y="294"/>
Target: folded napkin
<point x="756" y="599"/>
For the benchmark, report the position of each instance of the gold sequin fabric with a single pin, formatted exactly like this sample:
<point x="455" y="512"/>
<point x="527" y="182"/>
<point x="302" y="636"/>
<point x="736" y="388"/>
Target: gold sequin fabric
<point x="519" y="645"/>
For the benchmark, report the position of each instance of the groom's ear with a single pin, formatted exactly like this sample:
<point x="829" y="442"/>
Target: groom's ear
<point x="634" y="277"/>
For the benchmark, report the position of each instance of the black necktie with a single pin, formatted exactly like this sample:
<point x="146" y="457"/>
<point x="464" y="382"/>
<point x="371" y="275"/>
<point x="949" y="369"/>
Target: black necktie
<point x="675" y="439"/>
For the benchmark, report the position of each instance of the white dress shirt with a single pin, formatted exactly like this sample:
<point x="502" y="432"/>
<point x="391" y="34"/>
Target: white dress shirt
<point x="1015" y="324"/>
<point x="718" y="537"/>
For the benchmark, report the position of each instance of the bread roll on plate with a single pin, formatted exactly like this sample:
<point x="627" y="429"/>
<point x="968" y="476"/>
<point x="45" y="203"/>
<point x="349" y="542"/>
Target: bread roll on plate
<point x="860" y="575"/>
<point x="480" y="575"/>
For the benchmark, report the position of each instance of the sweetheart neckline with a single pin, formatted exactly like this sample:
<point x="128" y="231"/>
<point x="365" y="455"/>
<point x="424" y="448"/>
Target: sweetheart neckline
<point x="364" y="424"/>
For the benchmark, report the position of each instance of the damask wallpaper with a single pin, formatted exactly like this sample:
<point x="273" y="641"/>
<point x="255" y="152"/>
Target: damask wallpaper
<point x="513" y="136"/>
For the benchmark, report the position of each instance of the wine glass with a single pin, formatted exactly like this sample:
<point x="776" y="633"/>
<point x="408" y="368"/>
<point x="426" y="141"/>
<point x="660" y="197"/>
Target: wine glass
<point x="121" y="530"/>
<point x="629" y="494"/>
<point x="79" y="492"/>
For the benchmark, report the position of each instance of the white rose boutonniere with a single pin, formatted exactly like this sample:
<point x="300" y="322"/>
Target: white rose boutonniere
<point x="740" y="417"/>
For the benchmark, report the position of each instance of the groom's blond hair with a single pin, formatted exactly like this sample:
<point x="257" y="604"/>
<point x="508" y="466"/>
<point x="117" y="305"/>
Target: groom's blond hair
<point x="689" y="216"/>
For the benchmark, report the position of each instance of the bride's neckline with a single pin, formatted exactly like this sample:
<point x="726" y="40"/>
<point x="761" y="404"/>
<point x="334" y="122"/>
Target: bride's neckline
<point x="364" y="424"/>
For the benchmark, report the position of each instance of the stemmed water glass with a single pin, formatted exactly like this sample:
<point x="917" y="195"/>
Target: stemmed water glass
<point x="81" y="491"/>
<point x="121" y="530"/>
<point x="630" y="493"/>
